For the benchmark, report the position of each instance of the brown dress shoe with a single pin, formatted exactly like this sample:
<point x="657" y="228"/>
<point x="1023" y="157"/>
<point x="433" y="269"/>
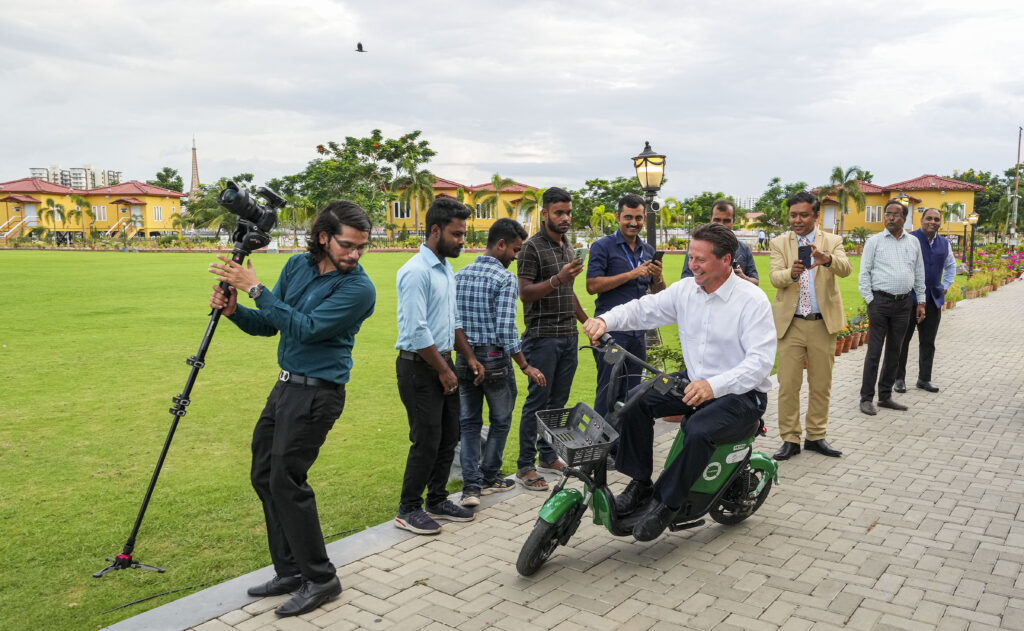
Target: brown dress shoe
<point x="868" y="408"/>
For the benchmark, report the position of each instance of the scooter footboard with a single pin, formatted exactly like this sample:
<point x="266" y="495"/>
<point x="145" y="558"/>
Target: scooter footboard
<point x="768" y="466"/>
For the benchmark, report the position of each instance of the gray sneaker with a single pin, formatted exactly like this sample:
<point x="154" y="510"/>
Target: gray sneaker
<point x="450" y="511"/>
<point x="417" y="521"/>
<point x="470" y="496"/>
<point x="498" y="486"/>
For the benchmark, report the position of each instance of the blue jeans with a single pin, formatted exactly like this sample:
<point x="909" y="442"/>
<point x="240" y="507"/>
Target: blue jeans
<point x="556" y="357"/>
<point x="499" y="388"/>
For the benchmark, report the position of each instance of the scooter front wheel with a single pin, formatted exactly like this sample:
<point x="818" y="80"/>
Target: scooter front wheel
<point x="736" y="503"/>
<point x="538" y="547"/>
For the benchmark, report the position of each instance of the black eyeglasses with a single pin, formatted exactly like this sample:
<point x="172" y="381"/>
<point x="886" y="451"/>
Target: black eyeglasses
<point x="348" y="246"/>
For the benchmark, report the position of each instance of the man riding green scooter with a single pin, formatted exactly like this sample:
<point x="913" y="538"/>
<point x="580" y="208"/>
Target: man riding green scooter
<point x="727" y="336"/>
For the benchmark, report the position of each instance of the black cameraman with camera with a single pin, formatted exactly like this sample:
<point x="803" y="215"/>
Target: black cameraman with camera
<point x="318" y="304"/>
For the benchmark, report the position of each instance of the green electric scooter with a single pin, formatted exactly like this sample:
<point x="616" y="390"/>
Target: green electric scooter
<point x="732" y="487"/>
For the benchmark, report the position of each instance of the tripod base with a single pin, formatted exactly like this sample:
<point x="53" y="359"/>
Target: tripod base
<point x="125" y="562"/>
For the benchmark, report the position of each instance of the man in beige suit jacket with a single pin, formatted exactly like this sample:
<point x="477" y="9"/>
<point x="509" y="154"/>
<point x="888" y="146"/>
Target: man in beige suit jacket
<point x="808" y="313"/>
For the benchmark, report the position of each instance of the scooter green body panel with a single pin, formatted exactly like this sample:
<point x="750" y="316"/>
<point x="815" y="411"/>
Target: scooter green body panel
<point x="723" y="462"/>
<point x="560" y="504"/>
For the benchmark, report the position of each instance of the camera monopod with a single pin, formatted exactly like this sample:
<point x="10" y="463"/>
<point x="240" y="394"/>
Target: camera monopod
<point x="252" y="233"/>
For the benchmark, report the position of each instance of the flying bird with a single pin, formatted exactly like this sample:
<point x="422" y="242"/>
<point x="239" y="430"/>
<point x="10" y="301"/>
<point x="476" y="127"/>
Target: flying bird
<point x="359" y="47"/>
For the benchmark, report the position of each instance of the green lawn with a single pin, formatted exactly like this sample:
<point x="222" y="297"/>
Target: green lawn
<point x="93" y="346"/>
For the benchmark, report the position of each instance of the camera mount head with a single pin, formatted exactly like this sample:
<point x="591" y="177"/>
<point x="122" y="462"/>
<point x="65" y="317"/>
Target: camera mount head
<point x="254" y="221"/>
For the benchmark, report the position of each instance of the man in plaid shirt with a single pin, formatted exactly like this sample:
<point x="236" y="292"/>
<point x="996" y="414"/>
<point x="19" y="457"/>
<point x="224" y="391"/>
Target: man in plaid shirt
<point x="547" y="267"/>
<point x="486" y="294"/>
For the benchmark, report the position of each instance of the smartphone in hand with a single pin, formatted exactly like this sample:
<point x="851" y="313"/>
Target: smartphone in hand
<point x="581" y="254"/>
<point x="803" y="252"/>
<point x="658" y="255"/>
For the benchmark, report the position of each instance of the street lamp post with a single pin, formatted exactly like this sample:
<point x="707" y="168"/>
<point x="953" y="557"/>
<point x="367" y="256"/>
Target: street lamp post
<point x="650" y="169"/>
<point x="973" y="220"/>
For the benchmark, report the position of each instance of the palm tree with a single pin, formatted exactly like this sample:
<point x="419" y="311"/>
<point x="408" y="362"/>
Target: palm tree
<point x="949" y="210"/>
<point x="845" y="186"/>
<point x="490" y="199"/>
<point x="601" y="219"/>
<point x="416" y="189"/>
<point x="83" y="208"/>
<point x="669" y="215"/>
<point x="51" y="213"/>
<point x="176" y="223"/>
<point x="530" y="205"/>
<point x="297" y="213"/>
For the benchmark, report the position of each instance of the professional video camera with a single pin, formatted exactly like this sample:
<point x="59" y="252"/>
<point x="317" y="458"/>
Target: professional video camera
<point x="253" y="232"/>
<point x="255" y="222"/>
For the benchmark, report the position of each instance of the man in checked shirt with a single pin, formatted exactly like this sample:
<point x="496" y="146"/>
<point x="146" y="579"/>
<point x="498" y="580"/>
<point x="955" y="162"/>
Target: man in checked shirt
<point x="486" y="295"/>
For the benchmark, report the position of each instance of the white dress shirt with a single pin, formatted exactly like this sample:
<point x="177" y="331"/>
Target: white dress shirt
<point x="727" y="336"/>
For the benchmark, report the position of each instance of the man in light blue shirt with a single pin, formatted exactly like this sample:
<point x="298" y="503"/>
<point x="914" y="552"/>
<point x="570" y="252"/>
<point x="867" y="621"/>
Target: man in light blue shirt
<point x="891" y="267"/>
<point x="427" y="385"/>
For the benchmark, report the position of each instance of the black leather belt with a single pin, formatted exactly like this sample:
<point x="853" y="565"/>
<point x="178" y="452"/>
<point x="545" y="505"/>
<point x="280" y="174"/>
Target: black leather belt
<point x="809" y="316"/>
<point x="416" y="357"/>
<point x="302" y="380"/>
<point x="886" y="294"/>
<point x="492" y="348"/>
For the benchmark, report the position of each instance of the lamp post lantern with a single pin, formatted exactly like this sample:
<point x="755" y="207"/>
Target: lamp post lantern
<point x="973" y="220"/>
<point x="650" y="169"/>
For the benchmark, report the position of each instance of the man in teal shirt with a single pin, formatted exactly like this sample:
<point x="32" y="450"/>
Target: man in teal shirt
<point x="318" y="304"/>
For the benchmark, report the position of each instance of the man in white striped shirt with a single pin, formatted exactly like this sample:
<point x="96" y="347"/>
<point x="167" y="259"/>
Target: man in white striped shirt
<point x="727" y="336"/>
<point x="890" y="267"/>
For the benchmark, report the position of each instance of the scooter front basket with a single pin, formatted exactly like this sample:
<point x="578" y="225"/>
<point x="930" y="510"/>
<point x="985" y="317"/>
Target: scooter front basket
<point x="579" y="434"/>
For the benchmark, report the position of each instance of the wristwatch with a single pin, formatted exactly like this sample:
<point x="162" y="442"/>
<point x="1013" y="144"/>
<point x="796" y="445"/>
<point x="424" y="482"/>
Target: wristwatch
<point x="256" y="291"/>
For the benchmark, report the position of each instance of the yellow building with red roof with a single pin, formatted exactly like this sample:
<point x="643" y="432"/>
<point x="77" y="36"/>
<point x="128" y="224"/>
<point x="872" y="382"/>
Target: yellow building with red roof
<point x="132" y="208"/>
<point x="410" y="216"/>
<point x="923" y="193"/>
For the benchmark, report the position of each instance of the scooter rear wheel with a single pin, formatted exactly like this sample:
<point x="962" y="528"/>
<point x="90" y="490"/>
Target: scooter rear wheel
<point x="736" y="504"/>
<point x="539" y="546"/>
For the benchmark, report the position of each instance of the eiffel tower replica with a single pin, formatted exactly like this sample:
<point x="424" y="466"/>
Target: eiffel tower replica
<point x="194" y="191"/>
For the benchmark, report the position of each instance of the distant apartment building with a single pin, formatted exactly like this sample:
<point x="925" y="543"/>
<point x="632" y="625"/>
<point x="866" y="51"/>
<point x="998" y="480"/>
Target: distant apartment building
<point x="77" y="177"/>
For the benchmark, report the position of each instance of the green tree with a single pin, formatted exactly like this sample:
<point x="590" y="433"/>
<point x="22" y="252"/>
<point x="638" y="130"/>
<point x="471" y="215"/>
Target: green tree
<point x="363" y="170"/>
<point x="670" y="216"/>
<point x="603" y="220"/>
<point x="599" y="192"/>
<point x="51" y="212"/>
<point x="416" y="190"/>
<point x="490" y="199"/>
<point x="168" y="178"/>
<point x="994" y="188"/>
<point x="860" y="234"/>
<point x="698" y="207"/>
<point x="530" y="205"/>
<point x="844" y="185"/>
<point x="82" y="209"/>
<point x="949" y="210"/>
<point x="772" y="206"/>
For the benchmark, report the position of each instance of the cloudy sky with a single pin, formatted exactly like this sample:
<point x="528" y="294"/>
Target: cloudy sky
<point x="545" y="93"/>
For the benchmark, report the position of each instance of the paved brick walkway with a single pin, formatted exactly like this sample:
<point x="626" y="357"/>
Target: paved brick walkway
<point x="919" y="525"/>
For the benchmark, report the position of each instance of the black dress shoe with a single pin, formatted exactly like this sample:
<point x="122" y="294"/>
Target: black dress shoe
<point x="892" y="405"/>
<point x="310" y="596"/>
<point x="787" y="450"/>
<point x="822" y="447"/>
<point x="276" y="586"/>
<point x="654" y="522"/>
<point x="867" y="408"/>
<point x="633" y="497"/>
<point x="926" y="385"/>
<point x="900" y="386"/>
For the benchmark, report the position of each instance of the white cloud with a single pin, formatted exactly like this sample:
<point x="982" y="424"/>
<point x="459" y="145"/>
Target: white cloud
<point x="547" y="93"/>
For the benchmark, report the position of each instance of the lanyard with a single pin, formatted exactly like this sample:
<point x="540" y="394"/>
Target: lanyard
<point x="629" y="256"/>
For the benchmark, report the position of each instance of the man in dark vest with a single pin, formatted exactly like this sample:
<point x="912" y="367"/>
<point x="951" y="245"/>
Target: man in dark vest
<point x="939" y="272"/>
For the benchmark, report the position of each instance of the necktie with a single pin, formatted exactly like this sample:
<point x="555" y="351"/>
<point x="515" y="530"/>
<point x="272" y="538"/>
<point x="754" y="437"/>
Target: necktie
<point x="803" y="305"/>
